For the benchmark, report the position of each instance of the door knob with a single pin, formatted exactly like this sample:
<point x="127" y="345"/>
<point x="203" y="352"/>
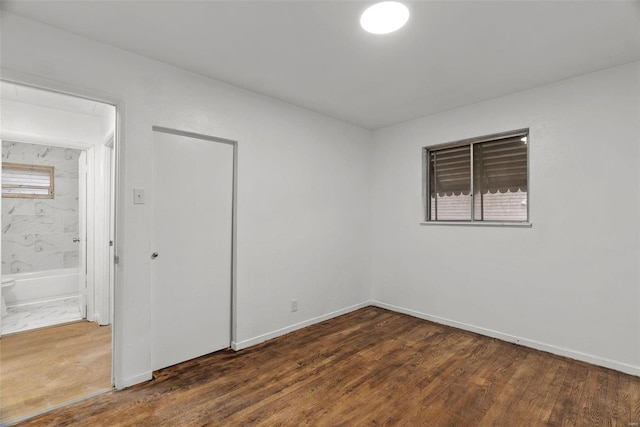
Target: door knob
<point x="154" y="255"/>
<point x="76" y="239"/>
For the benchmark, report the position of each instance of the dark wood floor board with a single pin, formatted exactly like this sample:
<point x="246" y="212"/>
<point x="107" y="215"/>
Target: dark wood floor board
<point x="604" y="389"/>
<point x="527" y="389"/>
<point x="555" y="376"/>
<point x="568" y="406"/>
<point x="628" y="405"/>
<point x="484" y="386"/>
<point x="618" y="400"/>
<point x="293" y="375"/>
<point x="444" y="401"/>
<point x="371" y="367"/>
<point x="468" y="386"/>
<point x="392" y="383"/>
<point x="328" y="385"/>
<point x="319" y="373"/>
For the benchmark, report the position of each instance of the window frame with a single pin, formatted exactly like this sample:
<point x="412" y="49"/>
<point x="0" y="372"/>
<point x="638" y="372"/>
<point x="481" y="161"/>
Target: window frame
<point x="20" y="166"/>
<point x="470" y="142"/>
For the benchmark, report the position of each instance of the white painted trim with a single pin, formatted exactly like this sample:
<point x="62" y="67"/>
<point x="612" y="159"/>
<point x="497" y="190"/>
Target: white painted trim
<point x="480" y="223"/>
<point x="41" y="140"/>
<point x="572" y="354"/>
<point x="283" y="331"/>
<point x="101" y="220"/>
<point x="128" y="382"/>
<point x="85" y="231"/>
<point x="561" y="351"/>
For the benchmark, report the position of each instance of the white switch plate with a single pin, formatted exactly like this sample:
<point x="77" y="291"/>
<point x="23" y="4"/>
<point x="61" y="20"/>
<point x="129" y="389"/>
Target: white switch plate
<point x="138" y="196"/>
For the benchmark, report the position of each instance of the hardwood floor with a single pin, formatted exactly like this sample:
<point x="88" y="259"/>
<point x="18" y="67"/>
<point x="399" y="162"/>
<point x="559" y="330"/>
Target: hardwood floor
<point x="370" y="367"/>
<point x="45" y="367"/>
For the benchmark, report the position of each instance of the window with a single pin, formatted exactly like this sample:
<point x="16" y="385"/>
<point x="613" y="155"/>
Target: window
<point x="478" y="180"/>
<point x="27" y="181"/>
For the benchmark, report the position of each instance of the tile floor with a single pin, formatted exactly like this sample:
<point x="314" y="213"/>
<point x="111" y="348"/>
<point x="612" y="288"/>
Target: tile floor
<point x="47" y="313"/>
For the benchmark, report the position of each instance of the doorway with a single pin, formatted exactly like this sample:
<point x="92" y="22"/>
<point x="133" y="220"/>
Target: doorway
<point x="42" y="254"/>
<point x="57" y="248"/>
<point x="193" y="191"/>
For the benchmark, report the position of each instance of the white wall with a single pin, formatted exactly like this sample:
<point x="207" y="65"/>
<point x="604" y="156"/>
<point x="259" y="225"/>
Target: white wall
<point x="569" y="284"/>
<point x="303" y="184"/>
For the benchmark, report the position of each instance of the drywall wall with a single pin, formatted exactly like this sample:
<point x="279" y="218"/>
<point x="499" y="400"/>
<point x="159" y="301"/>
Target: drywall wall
<point x="570" y="283"/>
<point x="302" y="191"/>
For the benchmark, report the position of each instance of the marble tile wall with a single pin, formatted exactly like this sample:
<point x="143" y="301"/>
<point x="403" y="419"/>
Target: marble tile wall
<point x="37" y="234"/>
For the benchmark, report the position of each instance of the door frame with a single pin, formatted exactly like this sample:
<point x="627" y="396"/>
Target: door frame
<point x="85" y="282"/>
<point x="10" y="76"/>
<point x="234" y="213"/>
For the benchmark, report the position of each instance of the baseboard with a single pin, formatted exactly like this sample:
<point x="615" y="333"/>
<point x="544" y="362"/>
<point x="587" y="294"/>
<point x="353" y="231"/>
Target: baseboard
<point x="279" y="332"/>
<point x="560" y="351"/>
<point x="128" y="382"/>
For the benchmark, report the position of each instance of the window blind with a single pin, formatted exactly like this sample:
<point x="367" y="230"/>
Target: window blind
<point x="27" y="181"/>
<point x="495" y="170"/>
<point x="451" y="184"/>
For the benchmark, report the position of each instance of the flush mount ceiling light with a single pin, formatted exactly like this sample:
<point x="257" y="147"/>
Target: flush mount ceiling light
<point x="384" y="17"/>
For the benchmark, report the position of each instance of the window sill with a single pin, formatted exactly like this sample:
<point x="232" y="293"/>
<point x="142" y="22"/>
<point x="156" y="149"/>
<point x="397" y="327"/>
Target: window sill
<point x="481" y="223"/>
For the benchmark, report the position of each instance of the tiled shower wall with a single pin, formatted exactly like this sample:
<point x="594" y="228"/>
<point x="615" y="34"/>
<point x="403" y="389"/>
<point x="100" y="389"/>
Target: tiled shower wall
<point x="37" y="234"/>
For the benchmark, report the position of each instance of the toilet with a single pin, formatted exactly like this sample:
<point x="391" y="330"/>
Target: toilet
<point x="7" y="283"/>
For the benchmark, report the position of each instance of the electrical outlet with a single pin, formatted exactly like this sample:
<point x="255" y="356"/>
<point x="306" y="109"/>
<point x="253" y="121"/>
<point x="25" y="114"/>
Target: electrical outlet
<point x="294" y="305"/>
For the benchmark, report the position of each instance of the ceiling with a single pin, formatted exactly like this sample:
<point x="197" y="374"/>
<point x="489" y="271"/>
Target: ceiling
<point x="33" y="115"/>
<point x="315" y="55"/>
<point x="58" y="101"/>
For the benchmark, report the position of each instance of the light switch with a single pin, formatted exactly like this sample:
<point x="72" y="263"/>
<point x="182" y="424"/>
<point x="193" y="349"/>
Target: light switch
<point x="138" y="196"/>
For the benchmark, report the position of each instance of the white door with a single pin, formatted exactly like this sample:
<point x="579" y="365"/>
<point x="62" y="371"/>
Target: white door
<point x="191" y="273"/>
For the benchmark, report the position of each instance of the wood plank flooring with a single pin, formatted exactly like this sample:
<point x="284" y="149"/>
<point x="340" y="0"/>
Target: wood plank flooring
<point x="45" y="367"/>
<point x="371" y="367"/>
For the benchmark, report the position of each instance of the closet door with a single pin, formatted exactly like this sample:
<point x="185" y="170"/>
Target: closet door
<point x="191" y="253"/>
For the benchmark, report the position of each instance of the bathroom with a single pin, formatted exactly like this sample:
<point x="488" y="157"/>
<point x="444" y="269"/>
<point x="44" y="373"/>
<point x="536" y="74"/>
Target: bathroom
<point x="40" y="239"/>
<point x="56" y="233"/>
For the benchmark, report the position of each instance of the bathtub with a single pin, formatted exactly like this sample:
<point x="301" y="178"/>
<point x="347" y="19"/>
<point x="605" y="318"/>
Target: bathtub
<point x="42" y="286"/>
